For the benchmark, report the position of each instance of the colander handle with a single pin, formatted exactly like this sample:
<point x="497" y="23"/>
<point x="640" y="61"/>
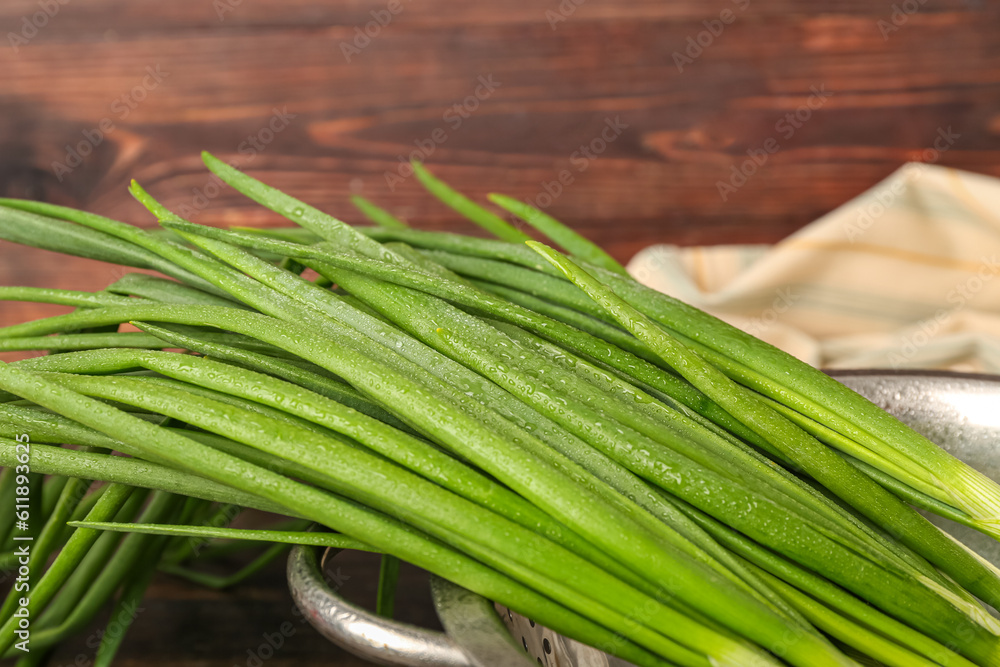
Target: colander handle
<point x="380" y="640"/>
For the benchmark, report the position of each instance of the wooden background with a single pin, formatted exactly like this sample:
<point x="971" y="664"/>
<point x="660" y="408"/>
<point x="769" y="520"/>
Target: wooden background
<point x="563" y="70"/>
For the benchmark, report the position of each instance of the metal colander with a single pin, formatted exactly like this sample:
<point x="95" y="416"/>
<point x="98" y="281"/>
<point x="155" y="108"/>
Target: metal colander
<point x="551" y="648"/>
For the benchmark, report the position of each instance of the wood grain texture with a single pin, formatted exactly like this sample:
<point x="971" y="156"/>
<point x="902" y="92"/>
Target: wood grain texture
<point x="161" y="81"/>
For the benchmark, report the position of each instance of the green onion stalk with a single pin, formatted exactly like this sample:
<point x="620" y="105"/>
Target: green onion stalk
<point x="532" y="425"/>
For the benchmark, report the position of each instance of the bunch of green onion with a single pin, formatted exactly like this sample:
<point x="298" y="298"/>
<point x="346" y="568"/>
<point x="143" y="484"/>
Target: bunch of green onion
<point x="534" y="426"/>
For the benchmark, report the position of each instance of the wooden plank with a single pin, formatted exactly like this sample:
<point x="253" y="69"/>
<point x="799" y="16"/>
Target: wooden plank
<point x="142" y="88"/>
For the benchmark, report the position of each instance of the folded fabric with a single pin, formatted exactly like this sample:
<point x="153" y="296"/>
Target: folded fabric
<point x="901" y="276"/>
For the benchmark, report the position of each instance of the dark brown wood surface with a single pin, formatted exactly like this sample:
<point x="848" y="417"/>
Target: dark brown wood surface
<point x="141" y="87"/>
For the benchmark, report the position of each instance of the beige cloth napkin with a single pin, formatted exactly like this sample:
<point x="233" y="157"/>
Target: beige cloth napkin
<point x="902" y="276"/>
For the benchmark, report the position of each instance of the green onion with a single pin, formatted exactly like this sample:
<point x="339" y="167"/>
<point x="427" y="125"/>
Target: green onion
<point x="126" y="561"/>
<point x="377" y="215"/>
<point x="308" y="538"/>
<point x="165" y="291"/>
<point x="462" y="204"/>
<point x="877" y="504"/>
<point x="610" y="462"/>
<point x="818" y="396"/>
<point x="562" y="235"/>
<point x="36" y="223"/>
<point x="83" y="341"/>
<point x="129" y="472"/>
<point x="44" y="589"/>
<point x="388" y="576"/>
<point x="328" y="509"/>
